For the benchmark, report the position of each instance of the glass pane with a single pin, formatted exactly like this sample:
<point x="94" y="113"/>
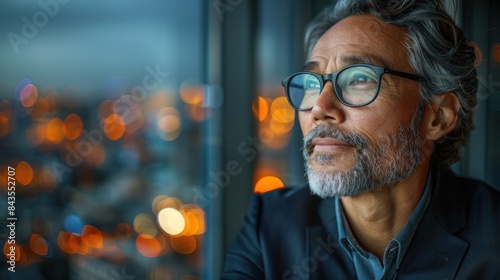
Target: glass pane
<point x="101" y="108"/>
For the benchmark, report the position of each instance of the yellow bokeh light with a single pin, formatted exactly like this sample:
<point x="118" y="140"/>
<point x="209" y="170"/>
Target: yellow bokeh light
<point x="281" y="111"/>
<point x="268" y="183"/>
<point x="279" y="127"/>
<point x="169" y="202"/>
<point x="171" y="221"/>
<point x="169" y="123"/>
<point x="156" y="202"/>
<point x="145" y="224"/>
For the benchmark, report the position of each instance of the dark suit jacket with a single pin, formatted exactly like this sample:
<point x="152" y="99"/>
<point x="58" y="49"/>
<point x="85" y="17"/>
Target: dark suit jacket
<point x="291" y="234"/>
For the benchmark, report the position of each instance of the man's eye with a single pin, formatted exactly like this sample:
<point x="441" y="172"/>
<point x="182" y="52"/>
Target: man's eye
<point x="312" y="84"/>
<point x="360" y="79"/>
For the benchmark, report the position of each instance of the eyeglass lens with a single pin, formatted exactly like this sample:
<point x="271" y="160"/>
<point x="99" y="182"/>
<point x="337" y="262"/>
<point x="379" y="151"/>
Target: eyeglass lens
<point x="357" y="85"/>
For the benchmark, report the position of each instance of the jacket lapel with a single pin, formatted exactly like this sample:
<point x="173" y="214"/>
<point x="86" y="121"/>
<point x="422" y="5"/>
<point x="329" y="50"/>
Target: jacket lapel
<point x="435" y="251"/>
<point x="325" y="258"/>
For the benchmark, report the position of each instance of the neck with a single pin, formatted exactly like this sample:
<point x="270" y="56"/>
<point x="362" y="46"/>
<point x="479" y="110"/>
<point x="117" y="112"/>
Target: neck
<point x="376" y="217"/>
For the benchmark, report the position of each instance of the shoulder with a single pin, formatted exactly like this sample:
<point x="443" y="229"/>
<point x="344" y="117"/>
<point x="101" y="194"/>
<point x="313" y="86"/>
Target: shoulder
<point x="284" y="200"/>
<point x="476" y="192"/>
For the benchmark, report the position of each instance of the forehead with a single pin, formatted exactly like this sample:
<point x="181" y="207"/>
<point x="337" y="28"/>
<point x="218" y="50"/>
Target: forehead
<point x="361" y="39"/>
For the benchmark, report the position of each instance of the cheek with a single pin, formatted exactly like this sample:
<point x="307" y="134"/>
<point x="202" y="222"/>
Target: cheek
<point x="305" y="122"/>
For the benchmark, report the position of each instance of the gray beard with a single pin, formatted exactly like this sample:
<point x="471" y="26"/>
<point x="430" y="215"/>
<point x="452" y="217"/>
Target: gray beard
<point x="387" y="162"/>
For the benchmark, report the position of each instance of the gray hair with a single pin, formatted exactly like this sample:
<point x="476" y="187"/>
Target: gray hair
<point x="437" y="50"/>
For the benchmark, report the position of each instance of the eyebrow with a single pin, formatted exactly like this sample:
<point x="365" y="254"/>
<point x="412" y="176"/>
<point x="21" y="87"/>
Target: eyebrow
<point x="351" y="59"/>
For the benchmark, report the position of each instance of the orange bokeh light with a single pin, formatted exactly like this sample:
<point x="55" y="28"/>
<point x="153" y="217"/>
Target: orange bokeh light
<point x="72" y="126"/>
<point x="24" y="173"/>
<point x="268" y="183"/>
<point x="5" y="111"/>
<point x="183" y="244"/>
<point x="148" y="245"/>
<point x="496" y="52"/>
<point x="38" y="245"/>
<point x="55" y="131"/>
<point x="114" y="126"/>
<point x="7" y="251"/>
<point x="260" y="108"/>
<point x="193" y="95"/>
<point x="67" y="242"/>
<point x="92" y="236"/>
<point x="281" y="111"/>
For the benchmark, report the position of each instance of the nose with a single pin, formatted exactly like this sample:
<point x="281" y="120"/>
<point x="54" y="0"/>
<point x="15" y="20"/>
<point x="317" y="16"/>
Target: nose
<point x="327" y="107"/>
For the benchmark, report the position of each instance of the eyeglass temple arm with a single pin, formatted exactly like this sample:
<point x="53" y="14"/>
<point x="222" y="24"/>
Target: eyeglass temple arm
<point x="403" y="74"/>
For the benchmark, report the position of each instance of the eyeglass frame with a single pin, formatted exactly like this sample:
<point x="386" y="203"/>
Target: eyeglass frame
<point x="323" y="78"/>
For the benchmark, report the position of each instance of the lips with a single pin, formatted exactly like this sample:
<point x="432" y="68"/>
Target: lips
<point x="329" y="145"/>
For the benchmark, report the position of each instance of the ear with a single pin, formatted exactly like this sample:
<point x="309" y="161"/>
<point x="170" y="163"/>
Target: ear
<point x="442" y="117"/>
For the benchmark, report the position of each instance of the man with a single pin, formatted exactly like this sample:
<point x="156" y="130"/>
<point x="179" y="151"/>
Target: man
<point x="385" y="104"/>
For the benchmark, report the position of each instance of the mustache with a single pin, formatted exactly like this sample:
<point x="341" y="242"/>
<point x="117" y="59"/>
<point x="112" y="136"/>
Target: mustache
<point x="326" y="131"/>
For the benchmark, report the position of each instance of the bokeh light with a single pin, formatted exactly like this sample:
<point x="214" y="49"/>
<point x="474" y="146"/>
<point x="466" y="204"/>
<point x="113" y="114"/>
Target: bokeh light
<point x="183" y="244"/>
<point x="150" y="246"/>
<point x="73" y="224"/>
<point x="191" y="93"/>
<point x="29" y="95"/>
<point x="496" y="52"/>
<point x="260" y="108"/>
<point x="8" y="252"/>
<point x="168" y="123"/>
<point x="171" y="221"/>
<point x="145" y="224"/>
<point x="68" y="242"/>
<point x="281" y="111"/>
<point x="5" y="112"/>
<point x="38" y="245"/>
<point x="114" y="126"/>
<point x="268" y="183"/>
<point x="92" y="236"/>
<point x="24" y="173"/>
<point x="20" y="86"/>
<point x="72" y="126"/>
<point x="55" y="130"/>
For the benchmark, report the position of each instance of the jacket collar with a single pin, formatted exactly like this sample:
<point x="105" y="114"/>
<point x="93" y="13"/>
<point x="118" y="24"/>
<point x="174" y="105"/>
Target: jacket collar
<point x="434" y="247"/>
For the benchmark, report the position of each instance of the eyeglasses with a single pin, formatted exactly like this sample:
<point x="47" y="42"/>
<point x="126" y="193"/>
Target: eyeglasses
<point x="355" y="85"/>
